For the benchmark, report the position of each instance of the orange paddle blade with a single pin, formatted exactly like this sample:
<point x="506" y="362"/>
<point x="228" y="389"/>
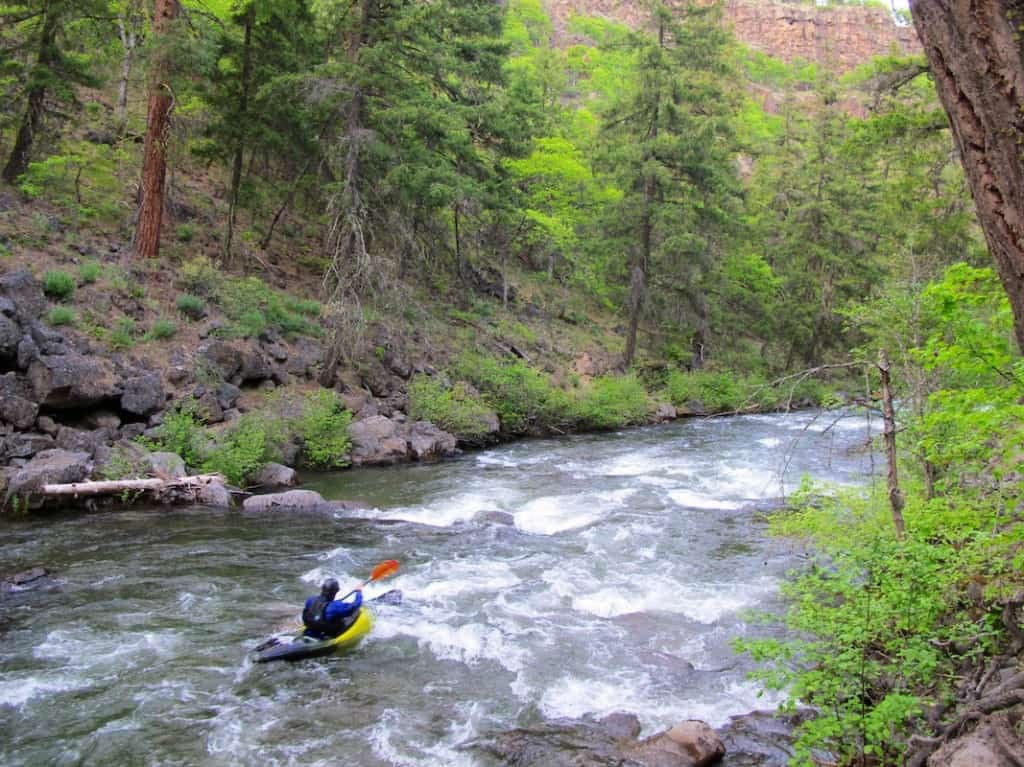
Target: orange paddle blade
<point x="383" y="570"/>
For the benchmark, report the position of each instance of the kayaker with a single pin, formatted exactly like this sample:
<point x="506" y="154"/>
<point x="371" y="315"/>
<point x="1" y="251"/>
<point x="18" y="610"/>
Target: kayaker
<point x="326" y="616"/>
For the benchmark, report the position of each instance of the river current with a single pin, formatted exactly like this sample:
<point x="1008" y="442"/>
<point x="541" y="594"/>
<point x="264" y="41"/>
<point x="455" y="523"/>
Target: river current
<point x="547" y="578"/>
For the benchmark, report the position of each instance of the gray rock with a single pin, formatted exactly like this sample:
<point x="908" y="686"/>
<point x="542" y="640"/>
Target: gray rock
<point x="47" y="425"/>
<point x="178" y="375"/>
<point x="26" y="445"/>
<point x="27" y="352"/>
<point x="227" y="395"/>
<point x="292" y="500"/>
<point x="688" y="744"/>
<point x="621" y="724"/>
<point x="73" y="380"/>
<point x="133" y="430"/>
<point x="24" y="292"/>
<point x="375" y="440"/>
<point x="426" y="441"/>
<point x="22" y="580"/>
<point x="18" y="411"/>
<point x="276" y="351"/>
<point x="78" y="440"/>
<point x="497" y="518"/>
<point x="693" y="407"/>
<point x="305" y="358"/>
<point x="254" y="367"/>
<point x="222" y="357"/>
<point x="276" y="475"/>
<point x="214" y="495"/>
<point x="48" y="340"/>
<point x="49" y="467"/>
<point x="664" y="412"/>
<point x="103" y="419"/>
<point x="163" y="465"/>
<point x="10" y="337"/>
<point x="143" y="394"/>
<point x="208" y="408"/>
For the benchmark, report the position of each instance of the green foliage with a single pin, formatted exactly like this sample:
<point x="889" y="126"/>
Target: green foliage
<point x="191" y="306"/>
<point x="59" y="285"/>
<point x="880" y="629"/>
<point x="610" y="402"/>
<point x="323" y="429"/>
<point x="200" y="277"/>
<point x="124" y="463"/>
<point x="455" y="408"/>
<point x="161" y="329"/>
<point x="523" y="398"/>
<point x="89" y="272"/>
<point x="717" y="392"/>
<point x="122" y="335"/>
<point x="83" y="179"/>
<point x="254" y="307"/>
<point x="181" y="433"/>
<point x="60" y="315"/>
<point x="185" y="232"/>
<point x="240" y="451"/>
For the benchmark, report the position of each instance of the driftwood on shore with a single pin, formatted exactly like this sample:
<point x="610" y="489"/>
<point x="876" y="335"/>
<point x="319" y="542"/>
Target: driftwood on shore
<point x="113" y="486"/>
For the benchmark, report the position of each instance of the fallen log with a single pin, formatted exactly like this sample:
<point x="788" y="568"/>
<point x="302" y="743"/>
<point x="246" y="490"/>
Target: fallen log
<point x="112" y="486"/>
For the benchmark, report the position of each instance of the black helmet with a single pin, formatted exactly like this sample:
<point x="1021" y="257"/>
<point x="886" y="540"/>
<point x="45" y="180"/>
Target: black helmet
<point x="330" y="588"/>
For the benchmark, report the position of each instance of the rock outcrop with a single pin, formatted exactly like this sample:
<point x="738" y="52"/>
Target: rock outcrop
<point x="382" y="440"/>
<point x="837" y="38"/>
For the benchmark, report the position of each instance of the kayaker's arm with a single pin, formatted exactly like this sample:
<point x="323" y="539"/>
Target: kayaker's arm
<point x="344" y="606"/>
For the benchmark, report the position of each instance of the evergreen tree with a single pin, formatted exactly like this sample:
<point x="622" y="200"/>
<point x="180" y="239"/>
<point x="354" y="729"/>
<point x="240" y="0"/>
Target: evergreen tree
<point x="261" y="50"/>
<point x="38" y="34"/>
<point x="669" y="143"/>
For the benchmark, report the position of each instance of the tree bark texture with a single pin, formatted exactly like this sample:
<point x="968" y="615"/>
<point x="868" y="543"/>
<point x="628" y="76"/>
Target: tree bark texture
<point x="974" y="50"/>
<point x="32" y="119"/>
<point x="154" y="162"/>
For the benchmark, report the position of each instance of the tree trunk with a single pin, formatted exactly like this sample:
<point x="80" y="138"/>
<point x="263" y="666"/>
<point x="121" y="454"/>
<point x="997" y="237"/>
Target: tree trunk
<point x="32" y="120"/>
<point x="128" y="30"/>
<point x="975" y="54"/>
<point x="889" y="437"/>
<point x="154" y="162"/>
<point x="243" y="108"/>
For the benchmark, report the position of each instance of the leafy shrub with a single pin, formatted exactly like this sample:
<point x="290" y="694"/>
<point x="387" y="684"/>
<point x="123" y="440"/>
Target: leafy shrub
<point x="61" y="315"/>
<point x="122" y="336"/>
<point x="240" y="451"/>
<point x="59" y="285"/>
<point x="161" y="329"/>
<point x="613" y="401"/>
<point x="323" y="428"/>
<point x="717" y="392"/>
<point x="191" y="306"/>
<point x="185" y="232"/>
<point x="523" y="397"/>
<point x="456" y="409"/>
<point x="254" y="307"/>
<point x="89" y="272"/>
<point x="180" y="433"/>
<point x="199" y="276"/>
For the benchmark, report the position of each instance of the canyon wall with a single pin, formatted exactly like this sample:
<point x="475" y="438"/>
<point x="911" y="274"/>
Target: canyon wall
<point x="837" y="38"/>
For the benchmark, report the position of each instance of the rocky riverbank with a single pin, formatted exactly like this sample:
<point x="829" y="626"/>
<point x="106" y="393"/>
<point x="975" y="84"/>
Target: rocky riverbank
<point x="70" y="407"/>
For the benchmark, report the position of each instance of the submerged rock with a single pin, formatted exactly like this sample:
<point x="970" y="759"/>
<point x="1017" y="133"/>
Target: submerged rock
<point x="23" y="579"/>
<point x="292" y="500"/>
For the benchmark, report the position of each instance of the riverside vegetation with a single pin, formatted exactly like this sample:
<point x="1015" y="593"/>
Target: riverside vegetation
<point x="476" y="227"/>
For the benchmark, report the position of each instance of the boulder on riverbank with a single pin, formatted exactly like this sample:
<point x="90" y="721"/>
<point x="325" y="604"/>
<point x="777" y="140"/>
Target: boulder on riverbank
<point x="611" y="741"/>
<point x="48" y="467"/>
<point x="378" y="439"/>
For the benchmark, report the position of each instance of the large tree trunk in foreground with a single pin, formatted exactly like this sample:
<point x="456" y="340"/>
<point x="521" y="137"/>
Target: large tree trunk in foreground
<point x="974" y="50"/>
<point x="154" y="162"/>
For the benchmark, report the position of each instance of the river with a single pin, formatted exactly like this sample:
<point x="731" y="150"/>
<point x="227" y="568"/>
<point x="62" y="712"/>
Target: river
<point x="629" y="556"/>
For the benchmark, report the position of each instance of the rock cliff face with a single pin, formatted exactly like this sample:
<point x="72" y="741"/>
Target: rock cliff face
<point x="838" y="38"/>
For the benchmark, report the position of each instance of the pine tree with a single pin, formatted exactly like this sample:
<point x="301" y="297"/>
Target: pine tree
<point x="40" y="33"/>
<point x="669" y="143"/>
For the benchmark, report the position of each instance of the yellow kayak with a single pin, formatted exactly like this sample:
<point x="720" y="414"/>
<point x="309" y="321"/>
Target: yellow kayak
<point x="302" y="646"/>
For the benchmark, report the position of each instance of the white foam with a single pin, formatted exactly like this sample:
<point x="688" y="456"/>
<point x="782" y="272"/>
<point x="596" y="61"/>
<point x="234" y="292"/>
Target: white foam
<point x="19" y="691"/>
<point x="705" y="604"/>
<point x="770" y="442"/>
<point x="691" y="500"/>
<point x="470" y="643"/>
<point x="557" y="513"/>
<point x="94" y="648"/>
<point x="454" y="578"/>
<point x="449" y="511"/>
